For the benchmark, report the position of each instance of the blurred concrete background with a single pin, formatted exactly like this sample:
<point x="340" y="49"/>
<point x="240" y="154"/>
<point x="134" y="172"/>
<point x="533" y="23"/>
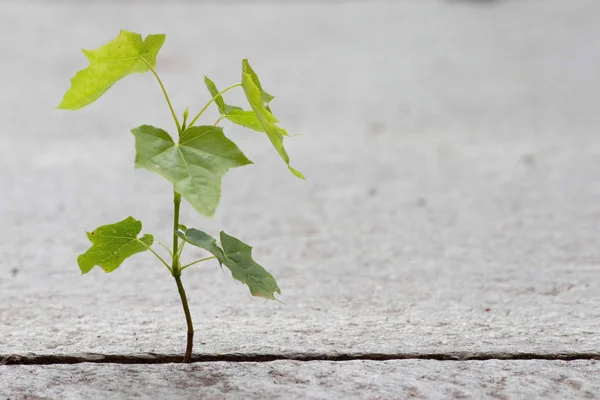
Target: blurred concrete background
<point x="451" y="208"/>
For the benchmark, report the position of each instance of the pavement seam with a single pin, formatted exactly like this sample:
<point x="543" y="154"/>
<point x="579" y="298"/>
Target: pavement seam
<point x="150" y="358"/>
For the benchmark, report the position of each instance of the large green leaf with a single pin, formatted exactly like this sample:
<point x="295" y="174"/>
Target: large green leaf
<point x="112" y="244"/>
<point x="237" y="256"/>
<point x="258" y="100"/>
<point x="124" y="55"/>
<point x="195" y="166"/>
<point x="202" y="240"/>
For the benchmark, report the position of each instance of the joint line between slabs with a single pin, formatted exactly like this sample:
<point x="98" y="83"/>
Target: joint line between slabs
<point x="65" y="359"/>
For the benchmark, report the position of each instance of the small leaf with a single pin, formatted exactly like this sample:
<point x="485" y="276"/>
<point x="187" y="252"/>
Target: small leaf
<point x="124" y="55"/>
<point x="258" y="100"/>
<point x="245" y="118"/>
<point x="202" y="240"/>
<point x="246" y="270"/>
<point x="257" y="97"/>
<point x="195" y="166"/>
<point x="233" y="113"/>
<point x="212" y="88"/>
<point x="247" y="69"/>
<point x="112" y="244"/>
<point x="296" y="172"/>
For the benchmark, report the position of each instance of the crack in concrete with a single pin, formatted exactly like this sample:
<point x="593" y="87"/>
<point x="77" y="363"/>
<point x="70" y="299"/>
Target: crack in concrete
<point x="151" y="358"/>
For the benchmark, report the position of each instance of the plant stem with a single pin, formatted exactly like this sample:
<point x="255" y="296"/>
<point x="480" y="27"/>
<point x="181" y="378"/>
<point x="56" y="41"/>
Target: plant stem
<point x="157" y="256"/>
<point x="180" y="249"/>
<point x="196" y="262"/>
<point x="166" y="95"/>
<point x="219" y="120"/>
<point x="176" y="253"/>
<point x="211" y="100"/>
<point x="176" y="204"/>
<point x="176" y="268"/>
<point x="167" y="249"/>
<point x="188" y="318"/>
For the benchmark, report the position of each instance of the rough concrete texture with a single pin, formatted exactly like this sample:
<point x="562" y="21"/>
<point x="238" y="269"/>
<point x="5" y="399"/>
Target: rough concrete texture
<point x="452" y="200"/>
<point x="410" y="379"/>
<point x="453" y="193"/>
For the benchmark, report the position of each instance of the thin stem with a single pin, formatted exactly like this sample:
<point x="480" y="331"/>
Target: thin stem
<point x="219" y="120"/>
<point x="176" y="204"/>
<point x="180" y="249"/>
<point x="166" y="96"/>
<point x="210" y="102"/>
<point x="167" y="249"/>
<point x="176" y="272"/>
<point x="188" y="319"/>
<point x="196" y="262"/>
<point x="156" y="254"/>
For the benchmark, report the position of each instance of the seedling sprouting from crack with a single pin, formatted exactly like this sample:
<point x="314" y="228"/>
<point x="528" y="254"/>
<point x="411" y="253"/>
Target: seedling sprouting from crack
<point x="194" y="162"/>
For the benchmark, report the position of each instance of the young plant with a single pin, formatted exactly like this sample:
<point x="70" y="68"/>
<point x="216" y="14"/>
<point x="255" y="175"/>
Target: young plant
<point x="194" y="163"/>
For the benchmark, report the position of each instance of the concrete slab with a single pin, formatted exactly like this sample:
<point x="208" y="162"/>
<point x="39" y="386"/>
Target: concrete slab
<point x="302" y="380"/>
<point x="453" y="193"/>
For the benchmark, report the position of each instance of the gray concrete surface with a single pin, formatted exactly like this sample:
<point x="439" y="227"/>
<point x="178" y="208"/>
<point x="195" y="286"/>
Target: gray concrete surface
<point x="452" y="201"/>
<point x="409" y="379"/>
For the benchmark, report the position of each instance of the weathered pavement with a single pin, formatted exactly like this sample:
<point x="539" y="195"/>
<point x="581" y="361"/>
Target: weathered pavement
<point x="313" y="380"/>
<point x="451" y="209"/>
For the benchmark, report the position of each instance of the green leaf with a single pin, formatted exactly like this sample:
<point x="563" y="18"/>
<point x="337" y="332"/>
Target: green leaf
<point x="202" y="240"/>
<point x="265" y="96"/>
<point x="234" y="114"/>
<point x="195" y="166"/>
<point x="124" y="55"/>
<point x="238" y="258"/>
<point x="258" y="100"/>
<point x="245" y="118"/>
<point x="296" y="172"/>
<point x="249" y="120"/>
<point x="255" y="94"/>
<point x="247" y="69"/>
<point x="112" y="244"/>
<point x="212" y="88"/>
